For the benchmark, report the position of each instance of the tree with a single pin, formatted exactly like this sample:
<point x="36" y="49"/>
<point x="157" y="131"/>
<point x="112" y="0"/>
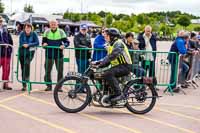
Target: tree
<point x="184" y="20"/>
<point x="122" y="25"/>
<point x="109" y="19"/>
<point x="1" y="7"/>
<point x="102" y="14"/>
<point x="140" y="19"/>
<point x="28" y="8"/>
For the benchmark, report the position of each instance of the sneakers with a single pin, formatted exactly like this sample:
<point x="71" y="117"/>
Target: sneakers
<point x="49" y="88"/>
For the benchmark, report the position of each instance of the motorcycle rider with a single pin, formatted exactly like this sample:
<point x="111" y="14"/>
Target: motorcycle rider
<point x="118" y="58"/>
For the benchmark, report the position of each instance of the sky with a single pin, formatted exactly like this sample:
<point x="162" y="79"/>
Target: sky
<point x="114" y="6"/>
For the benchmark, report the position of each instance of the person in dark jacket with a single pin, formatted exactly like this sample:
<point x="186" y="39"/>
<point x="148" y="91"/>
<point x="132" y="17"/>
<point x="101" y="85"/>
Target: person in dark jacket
<point x="99" y="43"/>
<point x="118" y="58"/>
<point x="82" y="40"/>
<point x="178" y="46"/>
<point x="147" y="42"/>
<point x="5" y="54"/>
<point x="193" y="42"/>
<point x="54" y="37"/>
<point x="28" y="40"/>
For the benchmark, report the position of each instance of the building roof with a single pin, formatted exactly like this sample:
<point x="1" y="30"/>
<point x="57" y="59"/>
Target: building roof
<point x="89" y="23"/>
<point x="37" y="20"/>
<point x="195" y="21"/>
<point x="65" y="22"/>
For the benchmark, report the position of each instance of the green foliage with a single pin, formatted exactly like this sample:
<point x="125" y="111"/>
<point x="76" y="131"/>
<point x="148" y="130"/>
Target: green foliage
<point x="102" y="14"/>
<point x="184" y="20"/>
<point x="109" y="19"/>
<point x="28" y="8"/>
<point x="158" y="20"/>
<point x="1" y="7"/>
<point x="165" y="29"/>
<point x="197" y="28"/>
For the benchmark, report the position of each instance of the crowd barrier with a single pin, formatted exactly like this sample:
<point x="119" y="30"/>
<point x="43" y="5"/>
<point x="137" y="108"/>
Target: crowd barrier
<point x="42" y="59"/>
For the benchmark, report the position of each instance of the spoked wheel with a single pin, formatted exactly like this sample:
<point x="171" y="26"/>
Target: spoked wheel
<point x="140" y="98"/>
<point x="71" y="95"/>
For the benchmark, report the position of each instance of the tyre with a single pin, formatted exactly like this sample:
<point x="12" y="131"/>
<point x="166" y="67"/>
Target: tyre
<point x="140" y="98"/>
<point x="71" y="95"/>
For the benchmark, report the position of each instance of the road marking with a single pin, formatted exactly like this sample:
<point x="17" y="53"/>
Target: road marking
<point x="14" y="97"/>
<point x="110" y="123"/>
<point x="143" y="117"/>
<point x="11" y="98"/>
<point x="175" y="105"/>
<point x="89" y="116"/>
<point x="37" y="119"/>
<point x="158" y="121"/>
<point x="178" y="114"/>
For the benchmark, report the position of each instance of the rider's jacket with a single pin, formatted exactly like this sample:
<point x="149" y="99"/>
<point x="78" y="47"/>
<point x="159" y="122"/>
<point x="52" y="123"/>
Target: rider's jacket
<point x="117" y="54"/>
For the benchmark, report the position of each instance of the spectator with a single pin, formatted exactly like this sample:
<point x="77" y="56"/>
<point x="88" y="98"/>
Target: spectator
<point x="178" y="46"/>
<point x="147" y="41"/>
<point x="99" y="43"/>
<point x="5" y="54"/>
<point x="193" y="41"/>
<point x="133" y="44"/>
<point x="28" y="40"/>
<point x="54" y="37"/>
<point x="198" y="40"/>
<point x="136" y="58"/>
<point x="67" y="30"/>
<point x="76" y="31"/>
<point x="82" y="40"/>
<point x="19" y="29"/>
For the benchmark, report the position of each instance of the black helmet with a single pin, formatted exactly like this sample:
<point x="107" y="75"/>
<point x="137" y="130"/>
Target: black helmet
<point x="113" y="33"/>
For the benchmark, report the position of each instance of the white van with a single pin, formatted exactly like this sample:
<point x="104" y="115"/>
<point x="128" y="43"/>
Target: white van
<point x="12" y="26"/>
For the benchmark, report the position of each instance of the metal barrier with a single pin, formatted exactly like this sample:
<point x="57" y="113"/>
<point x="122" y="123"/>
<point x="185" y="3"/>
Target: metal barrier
<point x="76" y="60"/>
<point x="6" y="63"/>
<point x="156" y="64"/>
<point x="193" y="62"/>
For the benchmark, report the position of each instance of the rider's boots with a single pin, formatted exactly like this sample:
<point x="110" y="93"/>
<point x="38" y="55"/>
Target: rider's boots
<point x="118" y="96"/>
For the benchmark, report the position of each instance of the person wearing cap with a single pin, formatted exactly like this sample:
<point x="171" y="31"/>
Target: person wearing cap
<point x="28" y="40"/>
<point x="82" y="40"/>
<point x="54" y="37"/>
<point x="180" y="47"/>
<point x="5" y="54"/>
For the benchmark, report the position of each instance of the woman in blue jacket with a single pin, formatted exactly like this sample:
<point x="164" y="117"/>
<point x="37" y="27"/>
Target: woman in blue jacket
<point x="99" y="43"/>
<point x="28" y="40"/>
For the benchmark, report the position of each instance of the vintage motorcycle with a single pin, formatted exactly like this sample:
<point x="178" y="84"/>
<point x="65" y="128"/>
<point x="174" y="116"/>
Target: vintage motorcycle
<point x="76" y="91"/>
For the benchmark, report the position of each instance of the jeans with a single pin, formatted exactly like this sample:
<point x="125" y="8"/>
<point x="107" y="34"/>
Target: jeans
<point x="184" y="72"/>
<point x="139" y="71"/>
<point x="82" y="64"/>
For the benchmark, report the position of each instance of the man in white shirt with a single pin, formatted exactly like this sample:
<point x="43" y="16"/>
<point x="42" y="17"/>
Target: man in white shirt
<point x="147" y="42"/>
